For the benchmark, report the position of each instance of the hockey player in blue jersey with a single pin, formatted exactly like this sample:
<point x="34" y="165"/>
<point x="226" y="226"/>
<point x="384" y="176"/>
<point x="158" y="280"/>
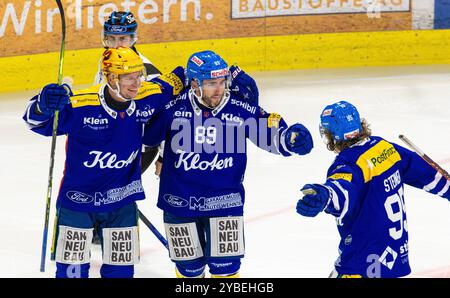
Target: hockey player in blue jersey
<point x="201" y="184"/>
<point x="102" y="176"/>
<point x="364" y="191"/>
<point x="120" y="30"/>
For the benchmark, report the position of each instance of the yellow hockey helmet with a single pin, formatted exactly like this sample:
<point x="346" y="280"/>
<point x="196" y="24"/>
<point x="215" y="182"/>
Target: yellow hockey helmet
<point x="121" y="61"/>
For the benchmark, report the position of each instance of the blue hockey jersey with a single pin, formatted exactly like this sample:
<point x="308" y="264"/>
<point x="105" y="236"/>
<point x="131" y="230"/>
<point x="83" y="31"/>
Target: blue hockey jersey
<point x="205" y="153"/>
<point x="102" y="170"/>
<point x="366" y="182"/>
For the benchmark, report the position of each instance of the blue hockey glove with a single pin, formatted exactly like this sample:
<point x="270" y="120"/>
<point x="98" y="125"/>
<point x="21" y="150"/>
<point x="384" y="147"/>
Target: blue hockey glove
<point x="180" y="73"/>
<point x="54" y="97"/>
<point x="176" y="78"/>
<point x="315" y="199"/>
<point x="447" y="195"/>
<point x="298" y="139"/>
<point x="243" y="85"/>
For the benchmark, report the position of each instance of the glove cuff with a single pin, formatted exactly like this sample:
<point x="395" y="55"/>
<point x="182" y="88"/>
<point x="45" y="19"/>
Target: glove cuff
<point x="283" y="141"/>
<point x="329" y="191"/>
<point x="235" y="70"/>
<point x="330" y="195"/>
<point x="39" y="110"/>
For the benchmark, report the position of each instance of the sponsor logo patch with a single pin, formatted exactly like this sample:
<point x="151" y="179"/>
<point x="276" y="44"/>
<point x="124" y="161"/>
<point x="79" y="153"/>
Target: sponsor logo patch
<point x="388" y="257"/>
<point x="146" y="112"/>
<point x="197" y="61"/>
<point x="214" y="203"/>
<point x="344" y="176"/>
<point x="232" y="118"/>
<point x="377" y="160"/>
<point x="327" y="112"/>
<point x="79" y="197"/>
<point x="219" y="73"/>
<point x="351" y="135"/>
<point x="175" y="201"/>
<point x="117" y="29"/>
<point x="118" y="194"/>
<point x="95" y="123"/>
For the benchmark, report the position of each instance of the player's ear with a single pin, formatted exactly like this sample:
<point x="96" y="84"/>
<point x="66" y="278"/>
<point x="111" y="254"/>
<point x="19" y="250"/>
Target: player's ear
<point x="111" y="78"/>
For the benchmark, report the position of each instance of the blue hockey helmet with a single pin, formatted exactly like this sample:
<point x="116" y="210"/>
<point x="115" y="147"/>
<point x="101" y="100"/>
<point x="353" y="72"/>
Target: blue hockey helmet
<point x="206" y="65"/>
<point x="342" y="120"/>
<point x="120" y="22"/>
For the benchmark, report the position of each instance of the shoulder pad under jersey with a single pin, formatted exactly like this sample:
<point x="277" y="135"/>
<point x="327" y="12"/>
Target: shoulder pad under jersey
<point x="85" y="97"/>
<point x="147" y="89"/>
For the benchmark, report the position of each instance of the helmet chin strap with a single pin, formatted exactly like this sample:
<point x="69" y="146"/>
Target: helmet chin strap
<point x="200" y="97"/>
<point x="199" y="84"/>
<point x="117" y="91"/>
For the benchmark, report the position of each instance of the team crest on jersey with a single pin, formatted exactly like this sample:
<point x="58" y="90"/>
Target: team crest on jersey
<point x="262" y="112"/>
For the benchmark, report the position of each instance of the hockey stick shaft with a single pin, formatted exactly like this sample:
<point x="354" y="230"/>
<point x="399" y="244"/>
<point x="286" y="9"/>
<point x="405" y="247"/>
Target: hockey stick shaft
<point x="425" y="157"/>
<point x="153" y="229"/>
<point x="53" y="145"/>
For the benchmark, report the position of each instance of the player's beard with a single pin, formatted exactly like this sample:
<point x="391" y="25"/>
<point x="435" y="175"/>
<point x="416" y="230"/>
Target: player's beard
<point x="214" y="100"/>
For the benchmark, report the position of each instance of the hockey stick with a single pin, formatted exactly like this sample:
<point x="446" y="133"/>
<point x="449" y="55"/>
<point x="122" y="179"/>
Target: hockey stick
<point x="425" y="157"/>
<point x="53" y="146"/>
<point x="153" y="229"/>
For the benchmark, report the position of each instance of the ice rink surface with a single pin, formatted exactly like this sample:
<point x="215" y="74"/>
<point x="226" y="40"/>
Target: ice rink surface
<point x="412" y="100"/>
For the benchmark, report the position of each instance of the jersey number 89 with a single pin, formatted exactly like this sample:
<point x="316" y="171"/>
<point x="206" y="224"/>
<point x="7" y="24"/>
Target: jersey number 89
<point x="207" y="135"/>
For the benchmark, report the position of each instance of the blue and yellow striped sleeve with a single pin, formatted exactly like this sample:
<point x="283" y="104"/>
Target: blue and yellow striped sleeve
<point x="344" y="184"/>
